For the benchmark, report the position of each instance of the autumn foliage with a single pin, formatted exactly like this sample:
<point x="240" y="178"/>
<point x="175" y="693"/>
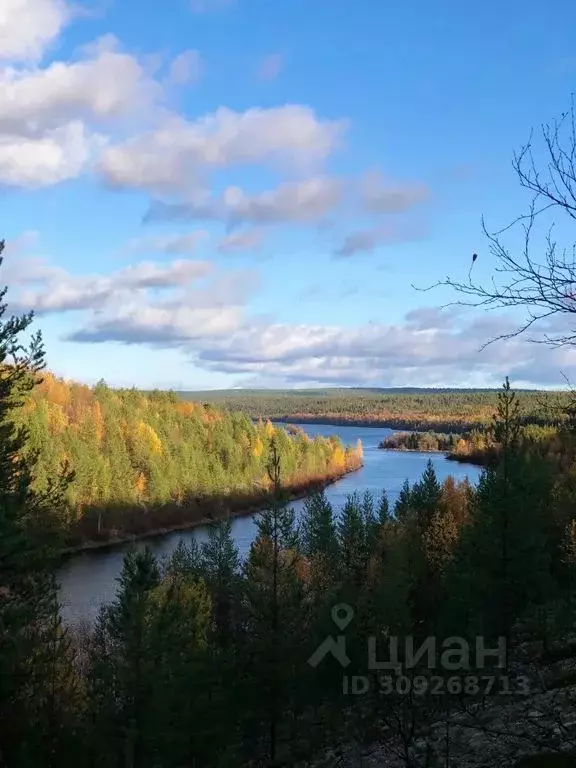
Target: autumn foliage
<point x="146" y="461"/>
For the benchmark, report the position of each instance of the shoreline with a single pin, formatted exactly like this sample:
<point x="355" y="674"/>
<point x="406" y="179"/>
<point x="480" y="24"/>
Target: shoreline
<point x="413" y="450"/>
<point x="448" y="455"/>
<point x="395" y="424"/>
<point x="296" y="495"/>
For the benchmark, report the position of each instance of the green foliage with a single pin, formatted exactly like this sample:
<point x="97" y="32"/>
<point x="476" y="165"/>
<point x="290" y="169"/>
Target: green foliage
<point x="33" y="645"/>
<point x="150" y="461"/>
<point x="444" y="410"/>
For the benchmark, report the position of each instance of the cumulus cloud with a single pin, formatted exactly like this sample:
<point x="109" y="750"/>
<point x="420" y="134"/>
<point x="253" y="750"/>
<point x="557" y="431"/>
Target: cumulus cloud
<point x="51" y="119"/>
<point x="176" y="157"/>
<point x="28" y="27"/>
<point x="110" y="85"/>
<point x="209" y="322"/>
<point x="367" y="240"/>
<point x="270" y="66"/>
<point x="203" y="311"/>
<point x="242" y="240"/>
<point x="58" y="155"/>
<point x="379" y="196"/>
<point x="185" y="68"/>
<point x="296" y="202"/>
<point x="58" y="291"/>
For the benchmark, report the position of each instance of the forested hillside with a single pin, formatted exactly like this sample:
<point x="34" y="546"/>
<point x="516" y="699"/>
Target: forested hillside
<point x="431" y="410"/>
<point x="143" y="462"/>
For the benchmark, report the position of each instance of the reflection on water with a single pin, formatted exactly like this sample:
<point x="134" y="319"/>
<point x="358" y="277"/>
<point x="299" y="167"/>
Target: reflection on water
<point x="89" y="578"/>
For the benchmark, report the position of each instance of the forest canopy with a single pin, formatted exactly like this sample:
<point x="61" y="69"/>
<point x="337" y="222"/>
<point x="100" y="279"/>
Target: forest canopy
<point x="441" y="410"/>
<point x="146" y="461"/>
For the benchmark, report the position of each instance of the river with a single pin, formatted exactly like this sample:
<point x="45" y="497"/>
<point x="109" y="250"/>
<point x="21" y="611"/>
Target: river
<point x="88" y="579"/>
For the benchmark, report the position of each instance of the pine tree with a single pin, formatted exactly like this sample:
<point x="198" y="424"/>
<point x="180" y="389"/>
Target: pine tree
<point x="352" y="540"/>
<point x="121" y="678"/>
<point x="383" y="509"/>
<point x="28" y="733"/>
<point x="220" y="565"/>
<point x="318" y="531"/>
<point x="502" y="564"/>
<point x="426" y="496"/>
<point x="274" y="594"/>
<point x="403" y="505"/>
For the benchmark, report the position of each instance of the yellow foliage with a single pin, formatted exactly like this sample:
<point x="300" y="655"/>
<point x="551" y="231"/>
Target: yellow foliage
<point x="146" y="431"/>
<point x="98" y="420"/>
<point x="269" y="430"/>
<point x="339" y="458"/>
<point x="57" y="420"/>
<point x="140" y="484"/>
<point x="258" y="448"/>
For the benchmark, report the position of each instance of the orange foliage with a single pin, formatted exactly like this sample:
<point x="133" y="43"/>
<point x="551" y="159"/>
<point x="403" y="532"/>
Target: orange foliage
<point x="140" y="484"/>
<point x="185" y="408"/>
<point x="98" y="420"/>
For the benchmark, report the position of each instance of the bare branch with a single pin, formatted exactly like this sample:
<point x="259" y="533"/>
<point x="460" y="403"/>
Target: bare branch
<point x="539" y="280"/>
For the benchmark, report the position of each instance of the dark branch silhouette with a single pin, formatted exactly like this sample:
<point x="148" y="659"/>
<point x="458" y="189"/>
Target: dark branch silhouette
<point x="539" y="278"/>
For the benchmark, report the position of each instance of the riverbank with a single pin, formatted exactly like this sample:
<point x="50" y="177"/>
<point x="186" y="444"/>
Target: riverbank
<point x="475" y="459"/>
<point x="382" y="423"/>
<point x="221" y="509"/>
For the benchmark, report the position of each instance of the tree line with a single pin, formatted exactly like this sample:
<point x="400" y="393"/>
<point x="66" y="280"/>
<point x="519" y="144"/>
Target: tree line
<point x="422" y="410"/>
<point x="140" y="462"/>
<point x="204" y="660"/>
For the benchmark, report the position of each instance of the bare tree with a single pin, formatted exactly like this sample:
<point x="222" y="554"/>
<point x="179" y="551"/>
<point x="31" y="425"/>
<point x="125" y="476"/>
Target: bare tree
<point x="540" y="277"/>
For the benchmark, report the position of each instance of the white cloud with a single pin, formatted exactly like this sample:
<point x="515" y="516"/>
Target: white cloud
<point x="203" y="311"/>
<point x="185" y="68"/>
<point x="62" y="292"/>
<point x="297" y="202"/>
<point x="270" y="66"/>
<point x="111" y="85"/>
<point x="60" y="154"/>
<point x="28" y="27"/>
<point x="430" y="347"/>
<point x="51" y="118"/>
<point x="174" y="158"/>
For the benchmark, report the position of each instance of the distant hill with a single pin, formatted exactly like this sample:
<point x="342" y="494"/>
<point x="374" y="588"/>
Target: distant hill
<point x="419" y="408"/>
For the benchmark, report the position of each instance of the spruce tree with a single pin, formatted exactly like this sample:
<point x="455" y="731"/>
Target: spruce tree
<point x="403" y="504"/>
<point x="426" y="496"/>
<point x="318" y="531"/>
<point x="274" y="597"/>
<point x="383" y="509"/>
<point x="220" y="565"/>
<point x="121" y="678"/>
<point x="28" y="542"/>
<point x="352" y="540"/>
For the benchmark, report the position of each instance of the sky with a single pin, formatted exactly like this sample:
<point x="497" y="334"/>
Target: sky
<point x="201" y="194"/>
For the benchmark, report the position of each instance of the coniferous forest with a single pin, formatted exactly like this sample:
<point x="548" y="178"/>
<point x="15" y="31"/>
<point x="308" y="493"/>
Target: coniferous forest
<point x="458" y="602"/>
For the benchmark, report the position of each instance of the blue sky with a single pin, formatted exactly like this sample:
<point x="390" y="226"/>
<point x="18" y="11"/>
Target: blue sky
<point x="215" y="193"/>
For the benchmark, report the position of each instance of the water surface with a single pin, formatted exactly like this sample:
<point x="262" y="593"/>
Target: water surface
<point x="88" y="579"/>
